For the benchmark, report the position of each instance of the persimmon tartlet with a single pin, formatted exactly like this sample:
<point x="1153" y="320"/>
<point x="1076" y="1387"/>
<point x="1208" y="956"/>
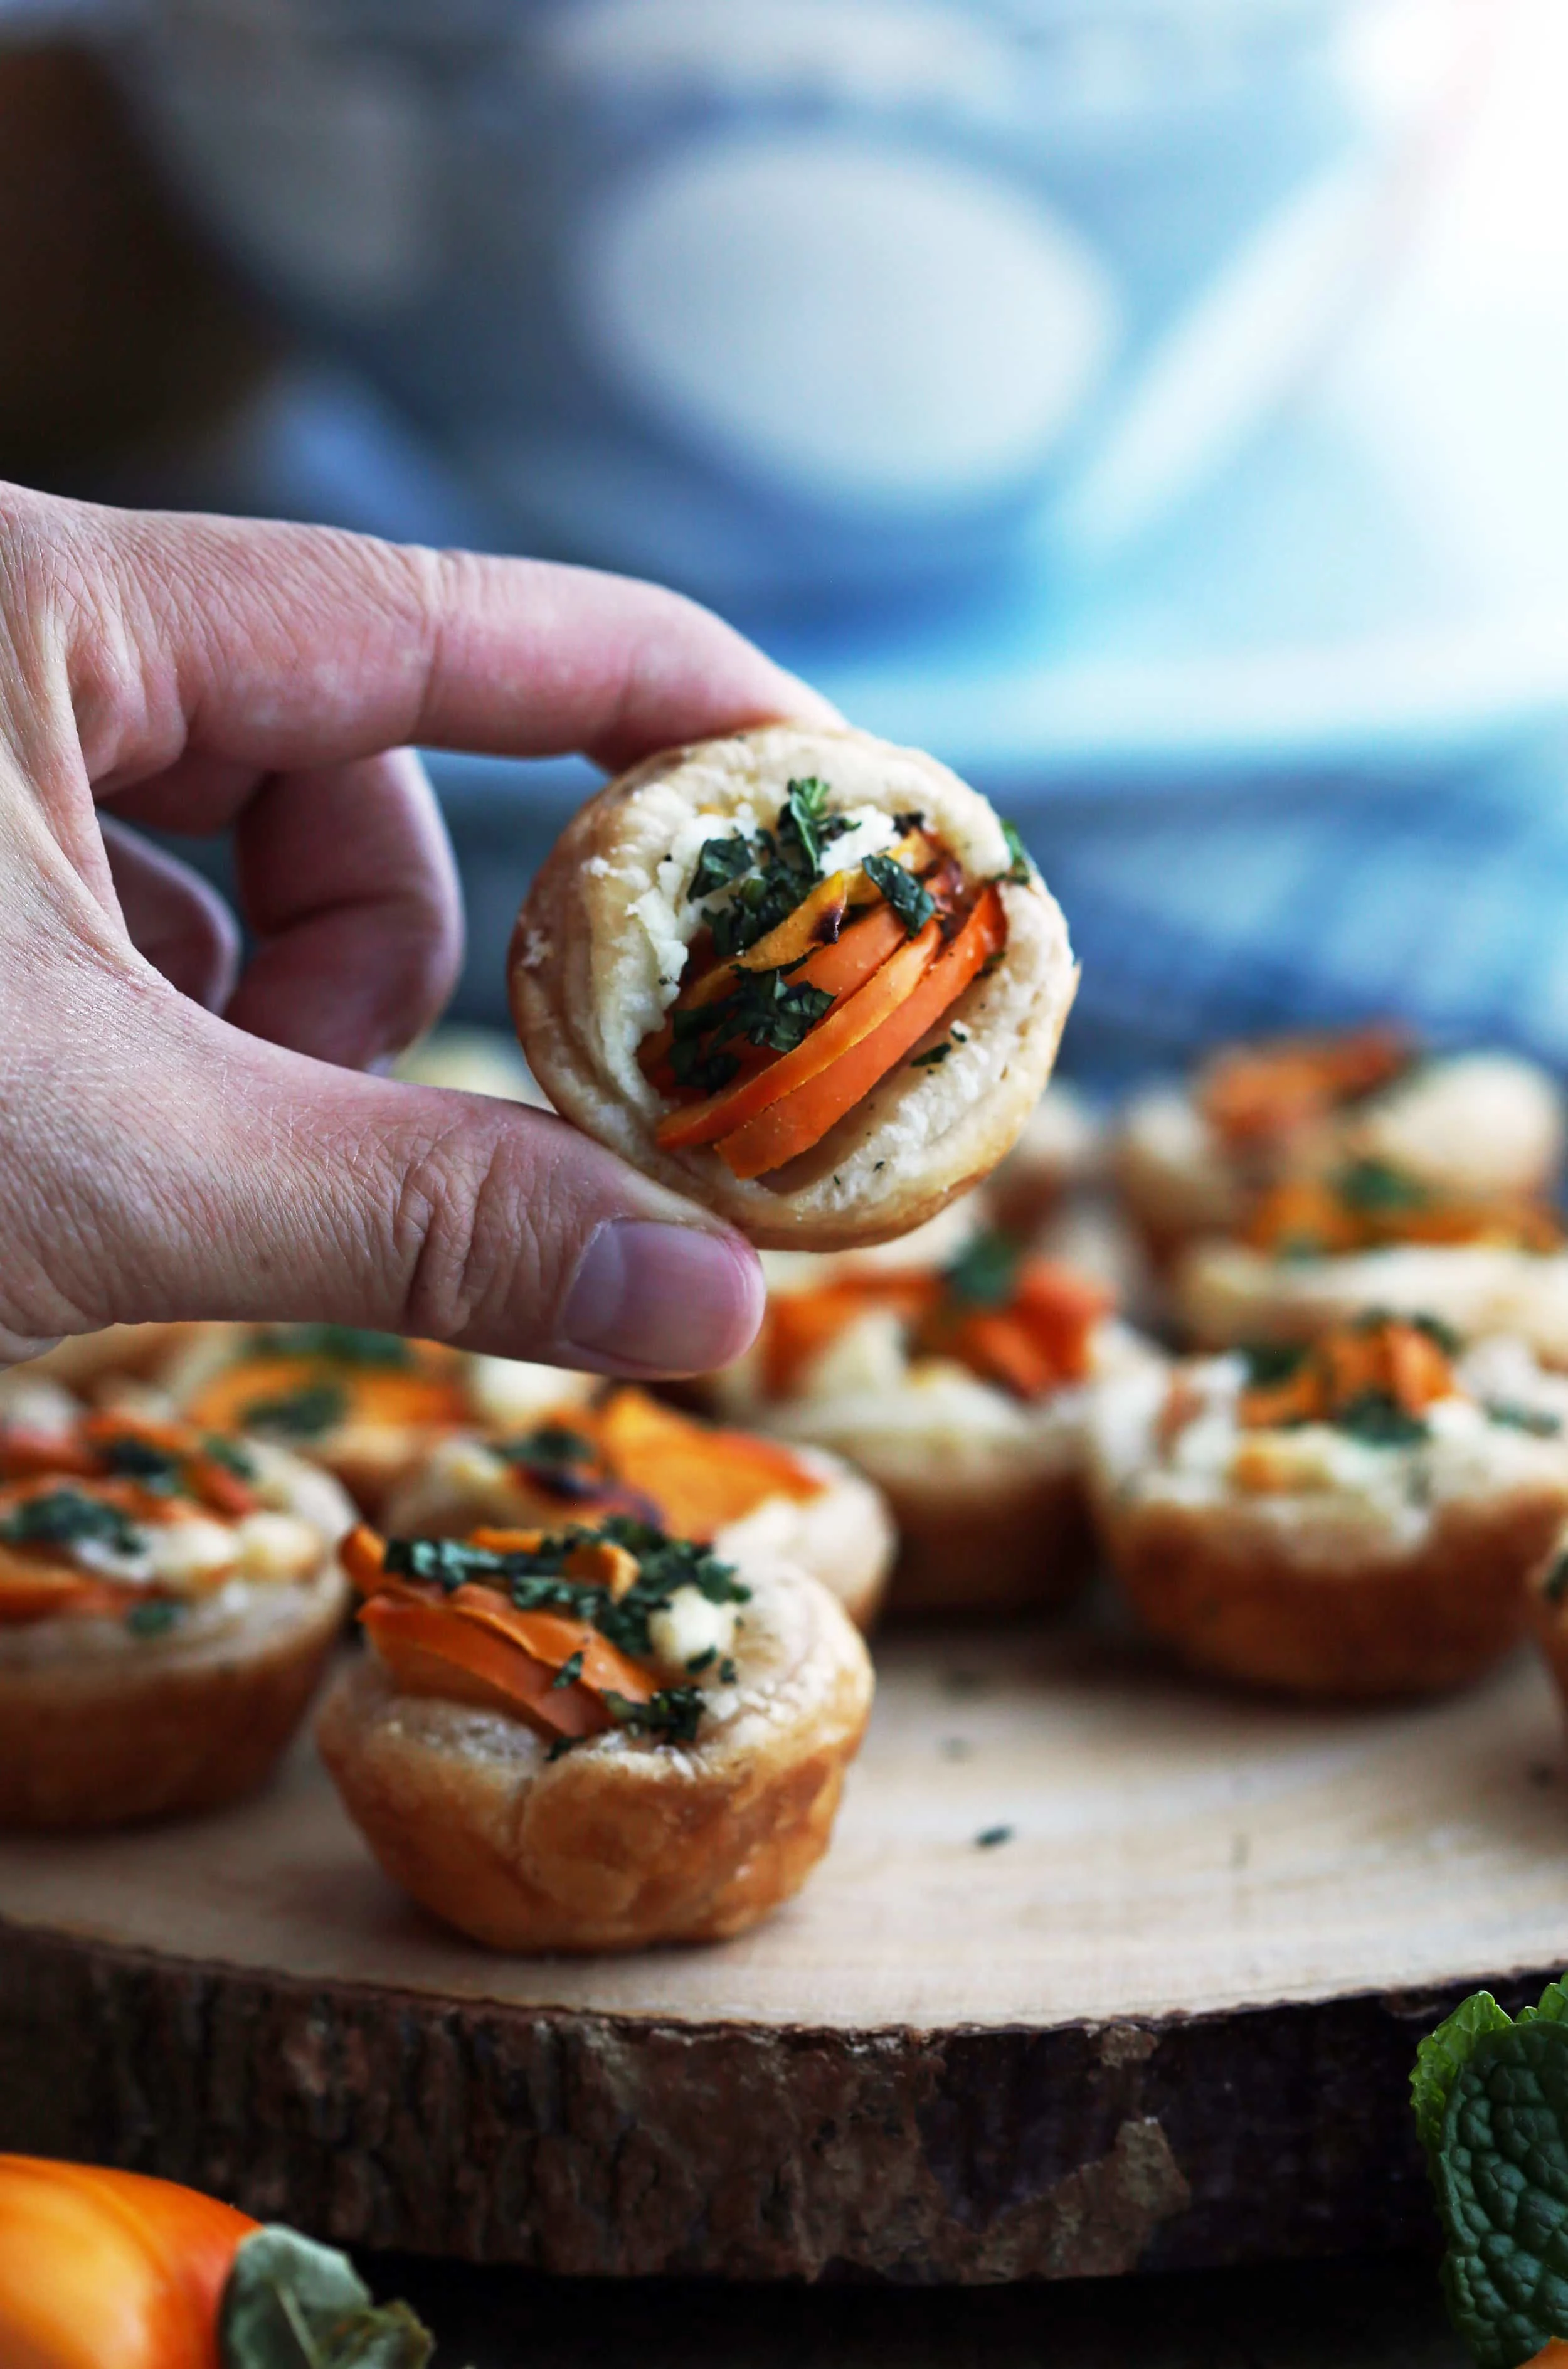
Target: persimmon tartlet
<point x="592" y="1739"/>
<point x="800" y="976"/>
<point x="168" y="1597"/>
<point x="1358" y="1517"/>
<point x="1462" y="1133"/>
<point x="751" y="1499"/>
<point x="368" y="1406"/>
<point x="961" y="1391"/>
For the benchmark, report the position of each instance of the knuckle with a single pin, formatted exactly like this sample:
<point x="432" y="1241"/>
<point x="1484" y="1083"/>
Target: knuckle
<point x="471" y="1232"/>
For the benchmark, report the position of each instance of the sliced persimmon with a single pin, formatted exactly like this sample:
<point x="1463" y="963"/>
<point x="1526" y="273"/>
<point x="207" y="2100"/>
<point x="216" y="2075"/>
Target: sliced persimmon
<point x="860" y="1016"/>
<point x="700" y="1478"/>
<point x="994" y="1343"/>
<point x="802" y="1324"/>
<point x="1060" y="1311"/>
<point x="778" y="1125"/>
<point x="49" y="1592"/>
<point x="429" y="1650"/>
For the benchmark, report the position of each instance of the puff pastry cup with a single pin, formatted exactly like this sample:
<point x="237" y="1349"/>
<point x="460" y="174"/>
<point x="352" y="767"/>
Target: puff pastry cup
<point x="1358" y="1518"/>
<point x="838" y="1078"/>
<point x="959" y="1383"/>
<point x="367" y="1406"/>
<point x="1458" y="1140"/>
<point x="571" y="1743"/>
<point x="752" y="1500"/>
<point x="167" y="1603"/>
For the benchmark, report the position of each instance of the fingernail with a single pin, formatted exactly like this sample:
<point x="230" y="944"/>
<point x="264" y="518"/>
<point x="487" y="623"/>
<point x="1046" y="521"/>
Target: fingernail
<point x="666" y="1299"/>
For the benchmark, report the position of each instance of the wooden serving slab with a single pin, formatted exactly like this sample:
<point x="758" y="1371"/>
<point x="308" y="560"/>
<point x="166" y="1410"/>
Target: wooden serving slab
<point x="1106" y="1970"/>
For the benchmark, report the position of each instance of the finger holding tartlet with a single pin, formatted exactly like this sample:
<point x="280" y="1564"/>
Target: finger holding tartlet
<point x="802" y="976"/>
<point x="592" y="1739"/>
<point x="1357" y="1516"/>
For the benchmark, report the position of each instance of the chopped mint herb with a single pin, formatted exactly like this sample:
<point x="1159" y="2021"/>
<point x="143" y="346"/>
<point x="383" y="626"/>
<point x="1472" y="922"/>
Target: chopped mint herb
<point x="933" y="1058"/>
<point x="1272" y="1362"/>
<point x="570" y="1672"/>
<point x="912" y="821"/>
<point x="231" y="1456"/>
<point x="548" y="1448"/>
<point x="1375" y="1188"/>
<point x="765" y="1008"/>
<point x="337" y="1345"/>
<point x="727" y="1673"/>
<point x="536" y="1580"/>
<point x="1534" y="1420"/>
<point x="701" y="1662"/>
<point x="985" y="1273"/>
<point x="720" y="862"/>
<point x="63" y="1517"/>
<point x="990" y="1838"/>
<point x="910" y="898"/>
<point x="805" y="823"/>
<point x="157" y="1470"/>
<point x="304" y="1414"/>
<point x="1022" y="868"/>
<point x="1490" y="2095"/>
<point x="1379" y="1419"/>
<point x="673" y="1715"/>
<point x="155" y="1618"/>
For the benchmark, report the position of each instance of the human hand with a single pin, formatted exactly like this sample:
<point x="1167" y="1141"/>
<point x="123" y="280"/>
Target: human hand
<point x="182" y="1139"/>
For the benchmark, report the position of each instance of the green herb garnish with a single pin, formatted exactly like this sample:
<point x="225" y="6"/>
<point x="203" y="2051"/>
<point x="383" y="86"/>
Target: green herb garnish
<point x="337" y="1344"/>
<point x="1490" y="2094"/>
<point x="1534" y="1420"/>
<point x="985" y="1273"/>
<point x="727" y="1672"/>
<point x="910" y="898"/>
<point x="1379" y="1419"/>
<point x="156" y="1470"/>
<point x="1270" y="1363"/>
<point x="673" y="1715"/>
<point x="231" y="1456"/>
<point x="535" y="1579"/>
<point x="1021" y="868"/>
<point x="155" y="1618"/>
<point x="990" y="1837"/>
<point x="303" y="1414"/>
<point x="932" y="1057"/>
<point x="548" y="1448"/>
<point x="765" y="1008"/>
<point x="1372" y="1188"/>
<point x="570" y="1672"/>
<point x="720" y="862"/>
<point x="65" y="1517"/>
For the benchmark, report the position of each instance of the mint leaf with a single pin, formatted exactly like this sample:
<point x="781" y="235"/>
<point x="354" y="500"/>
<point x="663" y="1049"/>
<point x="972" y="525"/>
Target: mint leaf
<point x="985" y="1273"/>
<point x="1439" y="2060"/>
<point x="1491" y="2099"/>
<point x="1022" y="868"/>
<point x="291" y="2304"/>
<point x="913" y="902"/>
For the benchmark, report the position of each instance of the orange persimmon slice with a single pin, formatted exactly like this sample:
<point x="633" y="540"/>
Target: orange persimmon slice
<point x="859" y="1017"/>
<point x="783" y="1116"/>
<point x="430" y="1650"/>
<point x="700" y="1478"/>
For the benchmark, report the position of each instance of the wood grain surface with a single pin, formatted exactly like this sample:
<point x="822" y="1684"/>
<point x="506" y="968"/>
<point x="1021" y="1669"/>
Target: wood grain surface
<point x="1164" y="2016"/>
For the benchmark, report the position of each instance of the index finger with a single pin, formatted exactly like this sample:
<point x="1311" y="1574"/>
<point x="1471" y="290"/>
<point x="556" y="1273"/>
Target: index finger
<point x="242" y="649"/>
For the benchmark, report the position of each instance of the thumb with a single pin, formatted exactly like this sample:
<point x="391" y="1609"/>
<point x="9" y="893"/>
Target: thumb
<point x="203" y="1172"/>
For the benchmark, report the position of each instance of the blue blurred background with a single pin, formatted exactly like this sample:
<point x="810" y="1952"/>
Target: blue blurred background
<point x="1156" y="407"/>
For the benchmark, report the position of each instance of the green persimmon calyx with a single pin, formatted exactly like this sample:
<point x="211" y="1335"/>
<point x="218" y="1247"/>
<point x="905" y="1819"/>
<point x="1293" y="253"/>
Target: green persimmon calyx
<point x="291" y="2304"/>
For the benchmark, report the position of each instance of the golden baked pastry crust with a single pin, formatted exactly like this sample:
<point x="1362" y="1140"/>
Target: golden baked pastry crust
<point x="1021" y="1542"/>
<point x="1221" y="1585"/>
<point x="168" y="1726"/>
<point x="583" y="969"/>
<point x="623" y="1842"/>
